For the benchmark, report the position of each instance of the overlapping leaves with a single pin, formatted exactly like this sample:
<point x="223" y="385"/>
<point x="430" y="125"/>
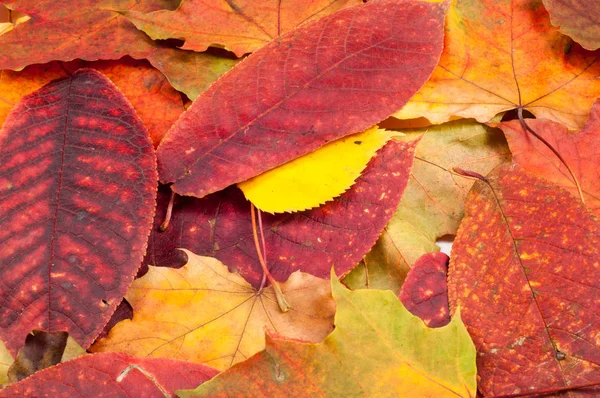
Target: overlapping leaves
<point x="522" y="270"/>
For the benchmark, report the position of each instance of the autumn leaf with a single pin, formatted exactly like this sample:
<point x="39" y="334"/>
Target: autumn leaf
<point x="338" y="233"/>
<point x="6" y="360"/>
<point x="523" y="271"/>
<point x="9" y="19"/>
<point x="425" y="291"/>
<point x="432" y="205"/>
<point x="242" y="27"/>
<point x="188" y="71"/>
<point x="397" y="356"/>
<point x="204" y="313"/>
<point x="112" y="374"/>
<point x="317" y="177"/>
<point x="383" y="267"/>
<point x="503" y="55"/>
<point x="41" y="350"/>
<point x="77" y="190"/>
<point x="332" y="89"/>
<point x="59" y="31"/>
<point x="579" y="150"/>
<point x="157" y="103"/>
<point x="578" y="19"/>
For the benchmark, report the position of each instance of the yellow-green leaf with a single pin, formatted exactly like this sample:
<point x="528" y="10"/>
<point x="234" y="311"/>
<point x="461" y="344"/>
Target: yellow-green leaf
<point x="317" y="177"/>
<point x="378" y="349"/>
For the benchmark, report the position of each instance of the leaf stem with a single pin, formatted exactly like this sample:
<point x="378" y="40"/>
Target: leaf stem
<point x="554" y="151"/>
<point x="283" y="304"/>
<point x="165" y="224"/>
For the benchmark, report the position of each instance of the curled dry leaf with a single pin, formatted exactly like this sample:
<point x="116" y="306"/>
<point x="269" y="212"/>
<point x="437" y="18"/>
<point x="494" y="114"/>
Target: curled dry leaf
<point x="579" y="149"/>
<point x="338" y="233"/>
<point x="77" y="191"/>
<point x="112" y="375"/>
<point x="499" y="55"/>
<point x="377" y="349"/>
<point x="204" y="313"/>
<point x="316" y="84"/>
<point x="524" y="270"/>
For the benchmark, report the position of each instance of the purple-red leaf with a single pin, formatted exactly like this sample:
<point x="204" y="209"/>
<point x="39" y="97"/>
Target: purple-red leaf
<point x="425" y="290"/>
<point x="338" y="233"/>
<point x="77" y="191"/>
<point x="320" y="82"/>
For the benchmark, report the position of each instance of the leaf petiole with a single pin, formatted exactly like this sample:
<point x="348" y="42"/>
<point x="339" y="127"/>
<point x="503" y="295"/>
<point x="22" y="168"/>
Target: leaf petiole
<point x="284" y="306"/>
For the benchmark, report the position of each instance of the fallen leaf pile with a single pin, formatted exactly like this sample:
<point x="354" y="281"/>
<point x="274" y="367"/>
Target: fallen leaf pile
<point x="245" y="198"/>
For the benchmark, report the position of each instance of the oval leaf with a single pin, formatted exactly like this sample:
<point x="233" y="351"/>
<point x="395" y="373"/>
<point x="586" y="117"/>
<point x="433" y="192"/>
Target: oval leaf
<point x="524" y="270"/>
<point x="334" y="77"/>
<point x="338" y="233"/>
<point x="77" y="192"/>
<point x="317" y="177"/>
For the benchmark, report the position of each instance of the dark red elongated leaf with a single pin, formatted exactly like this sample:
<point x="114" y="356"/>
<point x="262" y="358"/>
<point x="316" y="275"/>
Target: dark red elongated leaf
<point x="317" y="83"/>
<point x="338" y="233"/>
<point x="112" y="375"/>
<point x="524" y="271"/>
<point x="425" y="291"/>
<point x="77" y="192"/>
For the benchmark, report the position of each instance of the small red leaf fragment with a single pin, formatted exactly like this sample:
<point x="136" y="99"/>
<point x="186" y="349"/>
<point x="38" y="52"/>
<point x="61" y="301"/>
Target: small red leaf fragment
<point x="77" y="192"/>
<point x="338" y="233"/>
<point x="112" y="375"/>
<point x="524" y="272"/>
<point x="337" y="76"/>
<point x="425" y="291"/>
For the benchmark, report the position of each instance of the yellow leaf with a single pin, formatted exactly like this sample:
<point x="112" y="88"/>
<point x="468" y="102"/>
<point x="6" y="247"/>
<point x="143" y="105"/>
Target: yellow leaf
<point x="317" y="177"/>
<point x="204" y="313"/>
<point x="10" y="18"/>
<point x="5" y="361"/>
